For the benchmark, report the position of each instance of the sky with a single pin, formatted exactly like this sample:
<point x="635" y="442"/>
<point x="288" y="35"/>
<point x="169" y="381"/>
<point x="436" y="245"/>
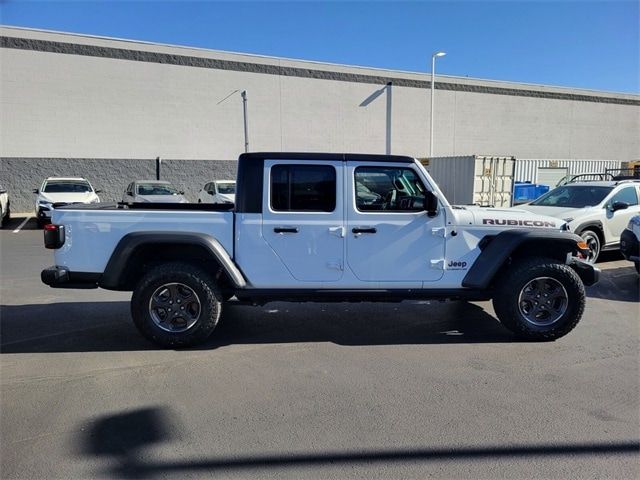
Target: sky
<point x="584" y="44"/>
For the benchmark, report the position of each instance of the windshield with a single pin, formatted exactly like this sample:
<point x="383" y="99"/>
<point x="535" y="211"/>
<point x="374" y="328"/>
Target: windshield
<point x="227" y="188"/>
<point x="67" y="186"/>
<point x="156" y="189"/>
<point x="575" y="196"/>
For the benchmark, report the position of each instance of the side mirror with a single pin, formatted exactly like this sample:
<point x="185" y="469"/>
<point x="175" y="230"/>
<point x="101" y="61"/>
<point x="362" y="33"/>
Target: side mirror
<point x="3" y="190"/>
<point x="35" y="190"/>
<point x="619" y="206"/>
<point x="431" y="204"/>
<point x="97" y="191"/>
<point x="181" y="192"/>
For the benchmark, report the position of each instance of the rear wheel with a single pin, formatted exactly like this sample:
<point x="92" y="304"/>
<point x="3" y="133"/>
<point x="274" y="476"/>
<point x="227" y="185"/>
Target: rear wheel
<point x="176" y="305"/>
<point x="592" y="239"/>
<point x="540" y="299"/>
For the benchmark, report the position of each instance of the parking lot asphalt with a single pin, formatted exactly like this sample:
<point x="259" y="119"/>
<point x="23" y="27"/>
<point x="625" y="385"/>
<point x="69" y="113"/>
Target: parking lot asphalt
<point x="392" y="390"/>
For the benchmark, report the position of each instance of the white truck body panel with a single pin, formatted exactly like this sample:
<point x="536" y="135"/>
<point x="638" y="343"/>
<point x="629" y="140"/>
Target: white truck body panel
<point x="92" y="235"/>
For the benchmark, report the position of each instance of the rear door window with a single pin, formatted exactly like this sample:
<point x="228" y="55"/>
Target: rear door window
<point x="303" y="188"/>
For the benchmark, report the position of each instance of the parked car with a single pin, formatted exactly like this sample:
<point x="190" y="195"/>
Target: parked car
<point x="60" y="191"/>
<point x="597" y="211"/>
<point x="302" y="231"/>
<point x="220" y="191"/>
<point x="5" y="207"/>
<point x="155" y="191"/>
<point x="630" y="242"/>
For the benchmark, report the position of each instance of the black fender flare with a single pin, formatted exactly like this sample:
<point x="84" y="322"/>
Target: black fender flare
<point x="592" y="223"/>
<point x="498" y="250"/>
<point x="126" y="248"/>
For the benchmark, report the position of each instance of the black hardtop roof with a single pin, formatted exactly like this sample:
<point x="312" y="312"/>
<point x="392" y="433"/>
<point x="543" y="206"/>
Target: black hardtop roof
<point x="311" y="156"/>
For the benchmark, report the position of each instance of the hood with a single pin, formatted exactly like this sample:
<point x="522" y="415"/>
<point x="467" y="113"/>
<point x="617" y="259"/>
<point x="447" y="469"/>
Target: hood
<point x="160" y="198"/>
<point x="71" y="197"/>
<point x="512" y="218"/>
<point x="557" y="212"/>
<point x="228" y="197"/>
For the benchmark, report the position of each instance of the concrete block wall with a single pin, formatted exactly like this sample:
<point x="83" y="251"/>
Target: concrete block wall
<point x="21" y="175"/>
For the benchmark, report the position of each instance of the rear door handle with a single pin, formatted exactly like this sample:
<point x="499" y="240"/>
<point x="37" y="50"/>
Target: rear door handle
<point x="285" y="229"/>
<point x="358" y="230"/>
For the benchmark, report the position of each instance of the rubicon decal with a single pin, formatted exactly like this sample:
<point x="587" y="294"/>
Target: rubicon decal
<point x="521" y="223"/>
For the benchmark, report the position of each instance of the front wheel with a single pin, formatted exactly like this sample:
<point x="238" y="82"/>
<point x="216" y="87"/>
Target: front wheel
<point x="592" y="240"/>
<point x="176" y="305"/>
<point x="540" y="299"/>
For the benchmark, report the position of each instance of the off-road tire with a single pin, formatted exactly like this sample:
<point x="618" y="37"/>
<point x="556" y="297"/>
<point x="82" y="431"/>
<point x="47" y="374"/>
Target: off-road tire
<point x="507" y="297"/>
<point x="194" y="278"/>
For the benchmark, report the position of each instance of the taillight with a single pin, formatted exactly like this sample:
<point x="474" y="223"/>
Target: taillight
<point x="53" y="236"/>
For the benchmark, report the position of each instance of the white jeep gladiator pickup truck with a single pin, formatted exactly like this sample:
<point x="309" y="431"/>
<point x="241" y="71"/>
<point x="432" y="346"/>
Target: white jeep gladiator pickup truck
<point x="321" y="227"/>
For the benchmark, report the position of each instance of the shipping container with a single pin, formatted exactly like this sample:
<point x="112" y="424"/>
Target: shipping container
<point x="551" y="171"/>
<point x="473" y="179"/>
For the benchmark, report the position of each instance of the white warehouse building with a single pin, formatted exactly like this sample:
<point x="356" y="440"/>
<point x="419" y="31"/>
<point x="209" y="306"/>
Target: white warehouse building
<point x="106" y="108"/>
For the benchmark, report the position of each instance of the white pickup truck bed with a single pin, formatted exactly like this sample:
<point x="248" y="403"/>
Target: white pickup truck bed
<point x="92" y="235"/>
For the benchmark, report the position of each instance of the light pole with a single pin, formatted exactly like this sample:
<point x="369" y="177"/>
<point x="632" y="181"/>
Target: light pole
<point x="433" y="83"/>
<point x="246" y="120"/>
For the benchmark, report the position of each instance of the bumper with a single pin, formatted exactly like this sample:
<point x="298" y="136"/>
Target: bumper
<point x="60" y="277"/>
<point x="630" y="246"/>
<point x="587" y="272"/>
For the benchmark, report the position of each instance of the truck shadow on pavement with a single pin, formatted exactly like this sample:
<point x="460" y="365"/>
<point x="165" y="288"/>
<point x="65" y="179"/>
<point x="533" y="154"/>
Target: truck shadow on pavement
<point x="107" y="326"/>
<point x="125" y="438"/>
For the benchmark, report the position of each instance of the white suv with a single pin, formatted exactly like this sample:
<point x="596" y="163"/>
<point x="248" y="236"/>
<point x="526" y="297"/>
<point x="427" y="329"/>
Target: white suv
<point x="5" y="207"/>
<point x="597" y="211"/>
<point x="62" y="191"/>
<point x="220" y="191"/>
<point x="630" y="242"/>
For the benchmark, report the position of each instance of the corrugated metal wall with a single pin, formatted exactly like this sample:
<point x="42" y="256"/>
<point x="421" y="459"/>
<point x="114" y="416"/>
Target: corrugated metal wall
<point x="527" y="168"/>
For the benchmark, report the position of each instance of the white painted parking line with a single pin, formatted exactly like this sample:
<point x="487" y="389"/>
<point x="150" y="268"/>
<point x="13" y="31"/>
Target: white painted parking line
<point x="22" y="224"/>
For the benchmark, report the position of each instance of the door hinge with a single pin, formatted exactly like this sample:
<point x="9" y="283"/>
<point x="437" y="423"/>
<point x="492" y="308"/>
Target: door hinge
<point x="339" y="231"/>
<point x="439" y="231"/>
<point x="437" y="264"/>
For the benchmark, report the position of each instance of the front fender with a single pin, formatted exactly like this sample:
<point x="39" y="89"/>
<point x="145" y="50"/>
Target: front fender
<point x="502" y="246"/>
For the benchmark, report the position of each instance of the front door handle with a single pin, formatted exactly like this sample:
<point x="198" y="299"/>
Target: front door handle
<point x="358" y="230"/>
<point x="285" y="229"/>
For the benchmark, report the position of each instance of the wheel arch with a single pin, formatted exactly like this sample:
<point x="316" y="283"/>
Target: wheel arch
<point x="138" y="251"/>
<point x="595" y="225"/>
<point x="510" y="245"/>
